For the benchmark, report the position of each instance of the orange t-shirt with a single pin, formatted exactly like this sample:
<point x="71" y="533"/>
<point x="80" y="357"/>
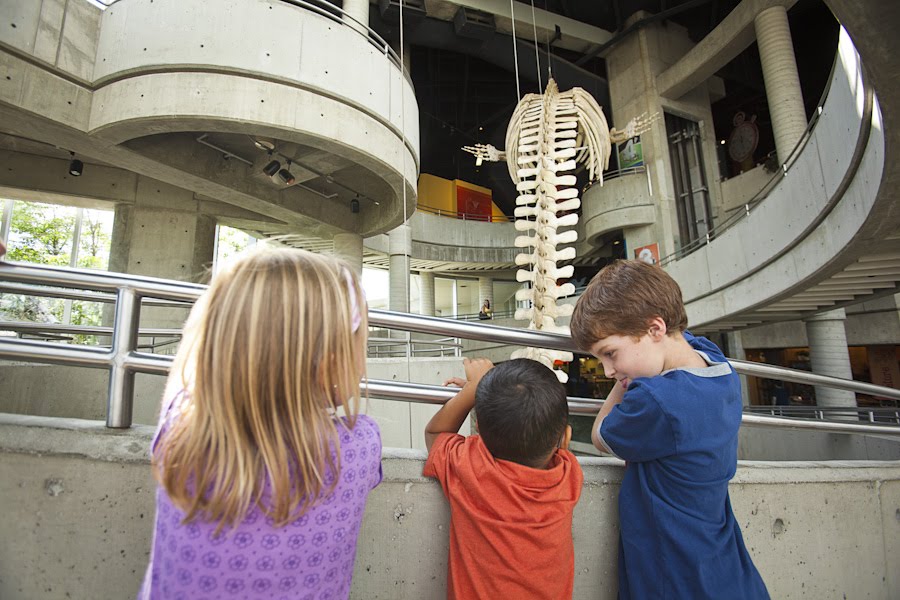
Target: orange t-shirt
<point x="510" y="525"/>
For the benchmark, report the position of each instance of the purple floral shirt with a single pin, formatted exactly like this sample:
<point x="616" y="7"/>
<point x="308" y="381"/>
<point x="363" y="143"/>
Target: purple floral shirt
<point x="309" y="559"/>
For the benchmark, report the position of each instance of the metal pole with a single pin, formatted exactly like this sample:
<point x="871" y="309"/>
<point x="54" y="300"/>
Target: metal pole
<point x="120" y="398"/>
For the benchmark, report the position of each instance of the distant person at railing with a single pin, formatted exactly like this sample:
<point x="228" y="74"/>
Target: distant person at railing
<point x="262" y="482"/>
<point x="780" y="395"/>
<point x="673" y="416"/>
<point x="486" y="312"/>
<point x="512" y="488"/>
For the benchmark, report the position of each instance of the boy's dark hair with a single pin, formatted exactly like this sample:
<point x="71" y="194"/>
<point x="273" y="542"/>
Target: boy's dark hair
<point x="522" y="411"/>
<point x="622" y="299"/>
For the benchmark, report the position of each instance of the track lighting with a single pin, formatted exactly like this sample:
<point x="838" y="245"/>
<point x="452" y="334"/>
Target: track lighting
<point x="285" y="175"/>
<point x="271" y="168"/>
<point x="76" y="167"/>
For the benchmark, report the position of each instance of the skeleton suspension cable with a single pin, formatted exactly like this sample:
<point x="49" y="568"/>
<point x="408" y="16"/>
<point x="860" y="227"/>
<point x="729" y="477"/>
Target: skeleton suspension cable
<point x="512" y="17"/>
<point x="537" y="59"/>
<point x="549" y="61"/>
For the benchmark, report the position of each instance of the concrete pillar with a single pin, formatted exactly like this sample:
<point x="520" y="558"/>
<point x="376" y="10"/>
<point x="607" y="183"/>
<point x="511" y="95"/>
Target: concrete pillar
<point x="736" y="351"/>
<point x="163" y="234"/>
<point x="349" y="248"/>
<point x="828" y="355"/>
<point x="486" y="292"/>
<point x="359" y="11"/>
<point x="426" y="297"/>
<point x="399" y="249"/>
<point x="785" y="98"/>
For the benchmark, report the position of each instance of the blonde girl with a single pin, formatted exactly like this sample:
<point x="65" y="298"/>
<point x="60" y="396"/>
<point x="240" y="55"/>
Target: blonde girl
<point x="262" y="486"/>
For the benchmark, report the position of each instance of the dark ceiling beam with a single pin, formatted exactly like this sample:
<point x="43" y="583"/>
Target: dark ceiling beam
<point x="660" y="16"/>
<point x="497" y="50"/>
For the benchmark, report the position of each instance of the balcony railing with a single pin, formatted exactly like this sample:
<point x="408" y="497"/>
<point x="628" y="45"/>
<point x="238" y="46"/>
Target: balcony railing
<point x="123" y="358"/>
<point x="464" y="216"/>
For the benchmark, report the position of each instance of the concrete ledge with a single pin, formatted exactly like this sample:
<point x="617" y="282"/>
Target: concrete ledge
<point x="621" y="203"/>
<point x="78" y="501"/>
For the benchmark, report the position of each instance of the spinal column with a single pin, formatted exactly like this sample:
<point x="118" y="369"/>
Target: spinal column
<point x="543" y="132"/>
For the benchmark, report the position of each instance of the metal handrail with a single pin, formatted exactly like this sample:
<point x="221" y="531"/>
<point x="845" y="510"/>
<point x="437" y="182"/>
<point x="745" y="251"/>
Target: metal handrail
<point x="464" y="216"/>
<point x="863" y="413"/>
<point x="615" y="174"/>
<point x="60" y="329"/>
<point x="123" y="360"/>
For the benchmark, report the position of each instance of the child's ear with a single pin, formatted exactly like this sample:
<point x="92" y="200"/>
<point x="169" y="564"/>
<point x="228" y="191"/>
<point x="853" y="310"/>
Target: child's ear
<point x="657" y="328"/>
<point x="567" y="437"/>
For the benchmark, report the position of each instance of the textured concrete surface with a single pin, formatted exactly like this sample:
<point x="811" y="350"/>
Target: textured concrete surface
<point x="78" y="502"/>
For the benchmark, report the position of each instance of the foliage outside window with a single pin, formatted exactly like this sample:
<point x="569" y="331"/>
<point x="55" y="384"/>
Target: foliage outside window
<point x="45" y="234"/>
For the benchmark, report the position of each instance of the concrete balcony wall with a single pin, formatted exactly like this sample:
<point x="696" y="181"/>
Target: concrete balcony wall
<point x="761" y="256"/>
<point x="620" y="203"/>
<point x="444" y="239"/>
<point x="740" y="189"/>
<point x="78" y="500"/>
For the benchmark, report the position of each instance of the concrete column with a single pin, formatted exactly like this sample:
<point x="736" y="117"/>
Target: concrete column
<point x="736" y="351"/>
<point x="776" y="50"/>
<point x="162" y="234"/>
<point x="426" y="297"/>
<point x="399" y="249"/>
<point x="349" y="248"/>
<point x="828" y="355"/>
<point x="359" y="11"/>
<point x="486" y="291"/>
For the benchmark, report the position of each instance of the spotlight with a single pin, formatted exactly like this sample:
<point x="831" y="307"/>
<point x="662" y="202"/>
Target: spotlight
<point x="286" y="176"/>
<point x="272" y="168"/>
<point x="354" y="205"/>
<point x="76" y="167"/>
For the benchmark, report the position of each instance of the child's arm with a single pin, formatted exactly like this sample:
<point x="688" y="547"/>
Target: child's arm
<point x="454" y="412"/>
<point x="614" y="397"/>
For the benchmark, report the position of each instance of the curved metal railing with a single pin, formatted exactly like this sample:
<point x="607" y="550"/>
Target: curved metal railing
<point x="123" y="359"/>
<point x="463" y="216"/>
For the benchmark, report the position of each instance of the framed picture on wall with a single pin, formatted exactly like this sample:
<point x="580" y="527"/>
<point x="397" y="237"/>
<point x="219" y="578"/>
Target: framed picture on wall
<point x="648" y="254"/>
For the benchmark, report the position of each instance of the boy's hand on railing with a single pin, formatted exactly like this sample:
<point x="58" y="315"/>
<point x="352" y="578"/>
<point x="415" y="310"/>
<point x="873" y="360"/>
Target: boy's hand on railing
<point x="476" y="368"/>
<point x="455" y="381"/>
<point x="451" y="416"/>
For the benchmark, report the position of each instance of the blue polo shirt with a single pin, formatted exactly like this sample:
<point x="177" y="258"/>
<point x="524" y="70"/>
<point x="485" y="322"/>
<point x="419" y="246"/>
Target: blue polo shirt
<point x="678" y="432"/>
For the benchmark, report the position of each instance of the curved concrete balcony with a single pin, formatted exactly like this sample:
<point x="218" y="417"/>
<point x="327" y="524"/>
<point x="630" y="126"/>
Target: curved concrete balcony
<point x="622" y="202"/>
<point x="817" y="239"/>
<point x="139" y="84"/>
<point x="444" y="243"/>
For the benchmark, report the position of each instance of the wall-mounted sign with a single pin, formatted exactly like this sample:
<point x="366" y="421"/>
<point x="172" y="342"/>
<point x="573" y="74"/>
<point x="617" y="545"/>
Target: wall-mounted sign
<point x="648" y="254"/>
<point x="630" y="153"/>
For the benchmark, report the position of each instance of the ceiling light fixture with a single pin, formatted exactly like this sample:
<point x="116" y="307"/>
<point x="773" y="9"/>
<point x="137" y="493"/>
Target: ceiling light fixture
<point x="354" y="205"/>
<point x="264" y="144"/>
<point x="272" y="168"/>
<point x="76" y="167"/>
<point x="285" y="175"/>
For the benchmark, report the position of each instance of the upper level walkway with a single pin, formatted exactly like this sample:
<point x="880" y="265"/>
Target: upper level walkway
<point x="255" y="81"/>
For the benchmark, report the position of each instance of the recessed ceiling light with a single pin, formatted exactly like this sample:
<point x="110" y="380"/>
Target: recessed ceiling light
<point x="262" y="144"/>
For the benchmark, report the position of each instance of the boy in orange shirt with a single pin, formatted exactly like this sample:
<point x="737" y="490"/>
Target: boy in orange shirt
<point x="512" y="488"/>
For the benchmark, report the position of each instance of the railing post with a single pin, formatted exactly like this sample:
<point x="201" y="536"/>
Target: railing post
<point x="120" y="398"/>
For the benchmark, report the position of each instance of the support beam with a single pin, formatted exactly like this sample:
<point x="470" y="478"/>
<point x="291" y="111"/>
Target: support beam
<point x="733" y="35"/>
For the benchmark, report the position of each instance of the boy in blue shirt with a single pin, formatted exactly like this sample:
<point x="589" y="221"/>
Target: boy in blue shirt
<point x="673" y="416"/>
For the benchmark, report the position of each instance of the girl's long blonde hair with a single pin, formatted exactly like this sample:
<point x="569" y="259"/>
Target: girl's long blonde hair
<point x="268" y="354"/>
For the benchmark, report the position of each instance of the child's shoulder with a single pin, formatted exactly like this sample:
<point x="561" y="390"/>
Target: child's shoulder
<point x="362" y="427"/>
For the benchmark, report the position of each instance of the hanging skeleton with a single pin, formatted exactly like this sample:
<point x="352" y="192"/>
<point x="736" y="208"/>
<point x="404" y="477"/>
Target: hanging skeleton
<point x="551" y="134"/>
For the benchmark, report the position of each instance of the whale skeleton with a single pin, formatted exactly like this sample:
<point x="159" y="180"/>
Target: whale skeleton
<point x="552" y="134"/>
